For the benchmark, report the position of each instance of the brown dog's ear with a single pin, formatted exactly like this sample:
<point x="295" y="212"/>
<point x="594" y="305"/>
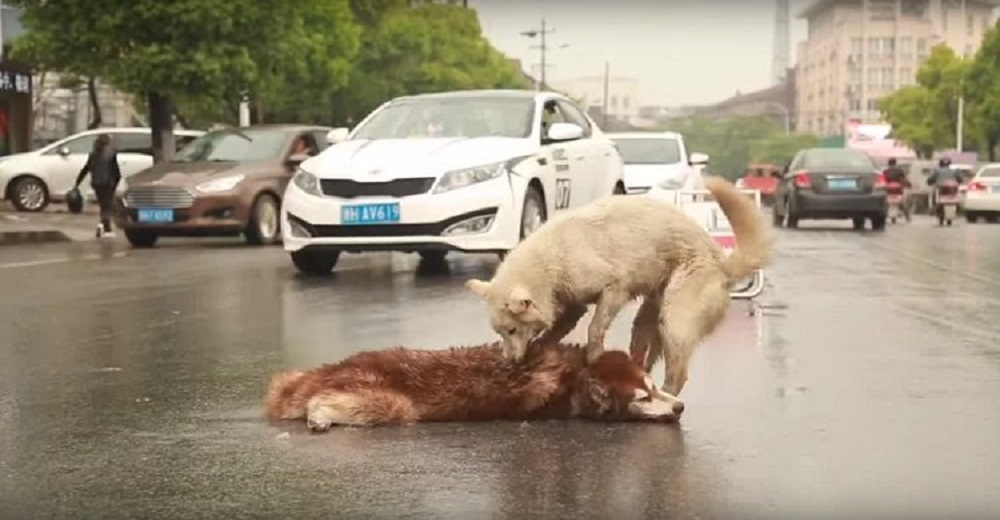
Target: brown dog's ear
<point x="478" y="287"/>
<point x="519" y="301"/>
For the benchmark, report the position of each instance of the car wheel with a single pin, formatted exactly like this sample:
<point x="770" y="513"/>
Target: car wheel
<point x="776" y="217"/>
<point x="992" y="219"/>
<point x="433" y="257"/>
<point x="263" y="228"/>
<point x="29" y="194"/>
<point x="619" y="189"/>
<point x="972" y="218"/>
<point x="141" y="238"/>
<point x="878" y="223"/>
<point x="859" y="223"/>
<point x="532" y="213"/>
<point x="315" y="262"/>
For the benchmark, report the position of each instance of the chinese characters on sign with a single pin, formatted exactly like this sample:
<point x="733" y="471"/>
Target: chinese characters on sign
<point x="15" y="82"/>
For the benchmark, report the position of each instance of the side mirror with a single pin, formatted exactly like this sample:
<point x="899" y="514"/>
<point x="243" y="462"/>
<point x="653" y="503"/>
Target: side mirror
<point x="564" y="132"/>
<point x="63" y="151"/>
<point x="698" y="159"/>
<point x="297" y="158"/>
<point x="336" y="135"/>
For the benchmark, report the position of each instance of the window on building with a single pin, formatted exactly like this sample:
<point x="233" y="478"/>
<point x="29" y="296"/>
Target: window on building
<point x="905" y="76"/>
<point x="913" y="8"/>
<point x="888" y="46"/>
<point x="921" y="47"/>
<point x="874" y="45"/>
<point x="873" y="104"/>
<point x="888" y="78"/>
<point x="873" y="78"/>
<point x="970" y="24"/>
<point x="854" y="77"/>
<point x="906" y="46"/>
<point x="855" y="105"/>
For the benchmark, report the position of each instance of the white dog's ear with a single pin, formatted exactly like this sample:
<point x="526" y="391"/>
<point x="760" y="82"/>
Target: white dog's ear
<point x="479" y="287"/>
<point x="519" y="300"/>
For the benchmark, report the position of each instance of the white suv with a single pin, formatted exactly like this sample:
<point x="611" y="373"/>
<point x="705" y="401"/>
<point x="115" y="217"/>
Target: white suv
<point x="32" y="179"/>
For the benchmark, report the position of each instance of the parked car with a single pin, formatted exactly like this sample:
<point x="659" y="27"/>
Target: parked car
<point x="653" y="157"/>
<point x="473" y="171"/>
<point x="32" y="180"/>
<point x="982" y="195"/>
<point x="831" y="183"/>
<point x="226" y="182"/>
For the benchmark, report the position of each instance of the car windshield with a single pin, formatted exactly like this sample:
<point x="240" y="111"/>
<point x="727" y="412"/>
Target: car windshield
<point x="438" y="117"/>
<point x="648" y="150"/>
<point x="851" y="160"/>
<point x="244" y="145"/>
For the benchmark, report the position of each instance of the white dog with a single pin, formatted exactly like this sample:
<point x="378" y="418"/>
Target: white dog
<point x="616" y="249"/>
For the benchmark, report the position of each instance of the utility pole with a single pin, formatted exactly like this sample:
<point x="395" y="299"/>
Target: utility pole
<point x="607" y="82"/>
<point x="543" y="48"/>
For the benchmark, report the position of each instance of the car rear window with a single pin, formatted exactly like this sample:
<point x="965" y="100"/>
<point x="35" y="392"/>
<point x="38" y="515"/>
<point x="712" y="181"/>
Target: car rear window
<point x="837" y="159"/>
<point x="649" y="151"/>
<point x="990" y="172"/>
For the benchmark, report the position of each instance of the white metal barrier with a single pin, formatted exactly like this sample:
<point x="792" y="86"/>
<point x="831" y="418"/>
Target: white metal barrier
<point x="700" y="205"/>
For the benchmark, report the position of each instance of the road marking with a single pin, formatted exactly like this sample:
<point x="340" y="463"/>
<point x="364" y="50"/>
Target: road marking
<point x="50" y="261"/>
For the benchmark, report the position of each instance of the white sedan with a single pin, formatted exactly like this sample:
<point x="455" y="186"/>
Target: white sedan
<point x="982" y="194"/>
<point x="471" y="171"/>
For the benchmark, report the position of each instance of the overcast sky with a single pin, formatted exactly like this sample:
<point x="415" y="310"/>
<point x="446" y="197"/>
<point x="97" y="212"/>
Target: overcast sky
<point x="681" y="51"/>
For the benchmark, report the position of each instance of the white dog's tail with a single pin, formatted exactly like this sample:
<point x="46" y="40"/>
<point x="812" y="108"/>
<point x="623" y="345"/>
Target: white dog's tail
<point x="753" y="238"/>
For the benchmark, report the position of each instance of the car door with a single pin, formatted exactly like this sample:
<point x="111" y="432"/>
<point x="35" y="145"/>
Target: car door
<point x="62" y="164"/>
<point x="591" y="158"/>
<point x="568" y="162"/>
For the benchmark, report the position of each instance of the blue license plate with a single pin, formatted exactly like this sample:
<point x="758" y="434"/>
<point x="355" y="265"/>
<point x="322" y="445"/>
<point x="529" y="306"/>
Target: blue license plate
<point x="363" y="214"/>
<point x="842" y="184"/>
<point x="155" y="215"/>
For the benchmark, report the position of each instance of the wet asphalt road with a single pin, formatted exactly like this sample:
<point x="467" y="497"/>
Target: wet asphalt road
<point x="131" y="385"/>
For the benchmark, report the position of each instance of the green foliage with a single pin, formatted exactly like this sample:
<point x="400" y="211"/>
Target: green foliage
<point x="733" y="144"/>
<point x="429" y="48"/>
<point x="925" y="116"/>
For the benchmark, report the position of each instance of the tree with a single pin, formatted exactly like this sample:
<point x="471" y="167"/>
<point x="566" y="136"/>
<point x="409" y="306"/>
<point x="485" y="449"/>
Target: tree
<point x="429" y="48"/>
<point x="982" y="91"/>
<point x="189" y="50"/>
<point x="912" y="123"/>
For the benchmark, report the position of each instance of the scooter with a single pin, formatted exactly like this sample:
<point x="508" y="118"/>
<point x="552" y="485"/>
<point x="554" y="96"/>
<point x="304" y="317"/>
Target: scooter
<point x="946" y="201"/>
<point x="895" y="198"/>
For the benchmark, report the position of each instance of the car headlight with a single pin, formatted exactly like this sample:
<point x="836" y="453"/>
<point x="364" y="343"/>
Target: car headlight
<point x="223" y="184"/>
<point x="468" y="176"/>
<point x="307" y="182"/>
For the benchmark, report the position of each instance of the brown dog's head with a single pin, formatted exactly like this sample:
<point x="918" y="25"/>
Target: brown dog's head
<point x="614" y="387"/>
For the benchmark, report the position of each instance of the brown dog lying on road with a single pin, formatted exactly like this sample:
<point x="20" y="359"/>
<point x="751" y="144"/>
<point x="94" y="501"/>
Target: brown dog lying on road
<point x="403" y="386"/>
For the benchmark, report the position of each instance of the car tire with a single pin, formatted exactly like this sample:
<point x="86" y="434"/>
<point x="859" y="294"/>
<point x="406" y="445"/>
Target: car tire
<point x="619" y="189"/>
<point x="858" y="223"/>
<point x="315" y="263"/>
<point x="972" y="218"/>
<point x="532" y="212"/>
<point x="263" y="229"/>
<point x="433" y="257"/>
<point x="878" y="223"/>
<point x="992" y="219"/>
<point x="141" y="239"/>
<point x="29" y="194"/>
<point x="777" y="219"/>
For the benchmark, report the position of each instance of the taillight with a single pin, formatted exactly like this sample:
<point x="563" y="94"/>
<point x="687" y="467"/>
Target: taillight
<point x="879" y="180"/>
<point x="802" y="179"/>
<point x="977" y="186"/>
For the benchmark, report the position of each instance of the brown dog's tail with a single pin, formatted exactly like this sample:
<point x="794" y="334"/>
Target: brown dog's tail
<point x="282" y="401"/>
<point x="753" y="238"/>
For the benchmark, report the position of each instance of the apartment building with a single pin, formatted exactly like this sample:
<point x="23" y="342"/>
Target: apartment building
<point x="859" y="51"/>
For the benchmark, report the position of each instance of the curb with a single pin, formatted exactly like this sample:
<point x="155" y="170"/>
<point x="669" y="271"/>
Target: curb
<point x="13" y="238"/>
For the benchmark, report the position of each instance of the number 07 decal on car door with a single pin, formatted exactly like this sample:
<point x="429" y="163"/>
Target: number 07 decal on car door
<point x="563" y="190"/>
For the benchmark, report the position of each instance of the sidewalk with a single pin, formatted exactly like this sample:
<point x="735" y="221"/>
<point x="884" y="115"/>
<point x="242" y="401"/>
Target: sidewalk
<point x="55" y="224"/>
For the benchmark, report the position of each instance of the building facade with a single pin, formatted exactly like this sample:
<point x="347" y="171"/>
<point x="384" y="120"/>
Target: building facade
<point x="859" y="51"/>
<point x="15" y="90"/>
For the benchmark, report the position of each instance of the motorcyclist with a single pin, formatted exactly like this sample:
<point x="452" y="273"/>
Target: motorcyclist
<point x="942" y="174"/>
<point x="896" y="174"/>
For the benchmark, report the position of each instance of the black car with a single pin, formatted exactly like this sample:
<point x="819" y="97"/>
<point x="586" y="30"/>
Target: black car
<point x="831" y="183"/>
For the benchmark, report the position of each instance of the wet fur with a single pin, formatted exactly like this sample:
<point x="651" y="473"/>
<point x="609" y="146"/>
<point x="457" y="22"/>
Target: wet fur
<point x="618" y="249"/>
<point x="404" y="386"/>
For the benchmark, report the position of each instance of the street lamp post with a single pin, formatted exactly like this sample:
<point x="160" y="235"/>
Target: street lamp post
<point x="541" y="33"/>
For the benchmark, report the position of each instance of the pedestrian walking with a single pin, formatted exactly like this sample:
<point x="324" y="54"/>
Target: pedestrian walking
<point x="102" y="165"/>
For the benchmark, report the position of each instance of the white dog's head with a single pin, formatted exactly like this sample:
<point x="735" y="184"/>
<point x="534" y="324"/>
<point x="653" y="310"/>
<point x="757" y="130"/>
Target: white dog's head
<point x="514" y="313"/>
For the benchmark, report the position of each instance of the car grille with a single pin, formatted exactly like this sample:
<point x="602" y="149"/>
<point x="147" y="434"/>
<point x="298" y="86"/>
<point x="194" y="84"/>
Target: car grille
<point x="158" y="197"/>
<point x="349" y="189"/>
